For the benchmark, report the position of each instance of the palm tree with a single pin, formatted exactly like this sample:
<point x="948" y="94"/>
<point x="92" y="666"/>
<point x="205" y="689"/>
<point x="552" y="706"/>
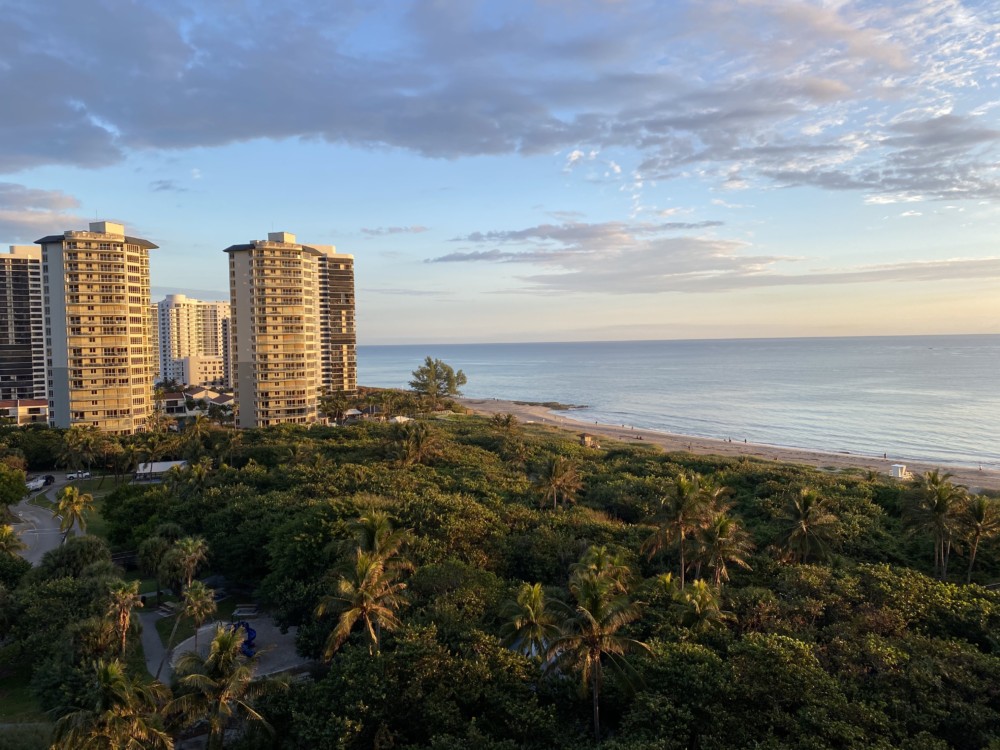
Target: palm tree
<point x="590" y="634"/>
<point x="73" y="507"/>
<point x="185" y="557"/>
<point x="10" y="542"/>
<point x="979" y="519"/>
<point x="197" y="474"/>
<point x="373" y="533"/>
<point x="605" y="565"/>
<point x="720" y="541"/>
<point x="154" y="549"/>
<point x="681" y="511"/>
<point x="368" y="592"/>
<point x="124" y="715"/>
<point x="220" y="687"/>
<point x="699" y="607"/>
<point x="807" y="528"/>
<point x="195" y="432"/>
<point x="936" y="511"/>
<point x="558" y="480"/>
<point x="529" y="623"/>
<point x="415" y="443"/>
<point x="199" y="605"/>
<point x="183" y="560"/>
<point x="124" y="598"/>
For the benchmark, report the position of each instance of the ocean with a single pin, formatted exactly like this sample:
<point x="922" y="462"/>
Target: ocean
<point x="918" y="398"/>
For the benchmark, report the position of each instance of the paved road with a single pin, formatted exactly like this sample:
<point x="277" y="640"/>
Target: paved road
<point x="38" y="528"/>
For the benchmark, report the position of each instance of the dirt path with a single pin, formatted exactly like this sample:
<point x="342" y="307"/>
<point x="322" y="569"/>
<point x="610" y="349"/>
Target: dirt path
<point x="986" y="479"/>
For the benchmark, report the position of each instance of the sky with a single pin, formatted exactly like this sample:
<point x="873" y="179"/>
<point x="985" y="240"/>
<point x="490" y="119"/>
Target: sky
<point x="555" y="170"/>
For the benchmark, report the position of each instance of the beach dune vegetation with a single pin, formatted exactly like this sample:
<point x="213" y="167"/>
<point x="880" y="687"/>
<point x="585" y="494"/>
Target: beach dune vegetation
<point x="455" y="609"/>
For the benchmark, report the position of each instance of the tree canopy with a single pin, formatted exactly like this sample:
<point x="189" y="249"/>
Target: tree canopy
<point x="437" y="380"/>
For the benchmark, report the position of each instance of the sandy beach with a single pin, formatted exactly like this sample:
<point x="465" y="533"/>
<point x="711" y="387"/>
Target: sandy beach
<point x="971" y="478"/>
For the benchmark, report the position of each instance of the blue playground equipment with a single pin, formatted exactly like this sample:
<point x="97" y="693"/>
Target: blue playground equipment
<point x="248" y="648"/>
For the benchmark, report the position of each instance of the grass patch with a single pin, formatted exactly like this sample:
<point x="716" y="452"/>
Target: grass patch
<point x="16" y="701"/>
<point x="41" y="500"/>
<point x="186" y="629"/>
<point x="96" y="524"/>
<point x="28" y="736"/>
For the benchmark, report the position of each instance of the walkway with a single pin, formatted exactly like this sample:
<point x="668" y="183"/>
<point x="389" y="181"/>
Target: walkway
<point x="152" y="646"/>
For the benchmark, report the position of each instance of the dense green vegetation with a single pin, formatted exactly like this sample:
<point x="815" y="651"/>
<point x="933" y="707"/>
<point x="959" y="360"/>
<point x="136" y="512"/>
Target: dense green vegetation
<point x="461" y="582"/>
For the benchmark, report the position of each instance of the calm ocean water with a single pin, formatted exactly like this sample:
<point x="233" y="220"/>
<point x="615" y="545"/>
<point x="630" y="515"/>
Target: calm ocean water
<point x="929" y="398"/>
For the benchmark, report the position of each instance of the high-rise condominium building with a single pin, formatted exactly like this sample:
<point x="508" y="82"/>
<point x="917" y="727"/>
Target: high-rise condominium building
<point x="193" y="340"/>
<point x="293" y="328"/>
<point x="22" y="329"/>
<point x="98" y="328"/>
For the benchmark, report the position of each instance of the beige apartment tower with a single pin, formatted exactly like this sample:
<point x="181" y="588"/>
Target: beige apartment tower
<point x="98" y="336"/>
<point x="293" y="331"/>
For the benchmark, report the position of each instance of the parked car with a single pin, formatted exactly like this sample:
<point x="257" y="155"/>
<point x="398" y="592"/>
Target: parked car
<point x="77" y="475"/>
<point x="35" y="484"/>
<point x="48" y="479"/>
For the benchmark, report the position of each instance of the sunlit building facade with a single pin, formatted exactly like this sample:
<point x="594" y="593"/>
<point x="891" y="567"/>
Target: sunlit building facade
<point x="98" y="328"/>
<point x="293" y="330"/>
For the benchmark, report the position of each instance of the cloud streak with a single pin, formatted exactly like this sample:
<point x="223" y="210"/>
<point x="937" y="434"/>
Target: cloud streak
<point x="382" y="231"/>
<point x="641" y="258"/>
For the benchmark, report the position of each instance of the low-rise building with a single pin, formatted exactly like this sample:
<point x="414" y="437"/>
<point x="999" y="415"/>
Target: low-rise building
<point x="24" y="411"/>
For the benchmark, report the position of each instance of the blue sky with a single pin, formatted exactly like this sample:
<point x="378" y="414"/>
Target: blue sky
<point x="517" y="171"/>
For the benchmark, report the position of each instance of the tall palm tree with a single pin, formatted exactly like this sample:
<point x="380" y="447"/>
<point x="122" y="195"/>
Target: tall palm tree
<point x="220" y="688"/>
<point x="980" y="520"/>
<point x="681" y="512"/>
<point x="720" y="541"/>
<point x="530" y="625"/>
<point x="196" y="431"/>
<point x="124" y="597"/>
<point x="123" y="716"/>
<point x="808" y="529"/>
<point x="183" y="560"/>
<point x="936" y="511"/>
<point x="73" y="507"/>
<point x="199" y="605"/>
<point x="367" y="592"/>
<point x="558" y="481"/>
<point x="10" y="542"/>
<point x="186" y="556"/>
<point x="154" y="549"/>
<point x="590" y="635"/>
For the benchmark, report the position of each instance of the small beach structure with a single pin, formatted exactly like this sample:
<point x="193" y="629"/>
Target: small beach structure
<point x="589" y="441"/>
<point x="899" y="471"/>
<point x="155" y="471"/>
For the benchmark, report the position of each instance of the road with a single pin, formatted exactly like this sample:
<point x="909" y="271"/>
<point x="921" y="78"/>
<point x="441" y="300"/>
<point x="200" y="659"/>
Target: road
<point x="38" y="528"/>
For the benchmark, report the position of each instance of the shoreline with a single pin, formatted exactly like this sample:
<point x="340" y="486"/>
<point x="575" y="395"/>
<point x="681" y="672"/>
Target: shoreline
<point x="972" y="478"/>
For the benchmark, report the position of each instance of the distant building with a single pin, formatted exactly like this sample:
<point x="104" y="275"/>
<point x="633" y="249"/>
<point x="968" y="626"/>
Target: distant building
<point x="193" y="340"/>
<point x="293" y="328"/>
<point x="24" y="411"/>
<point x="99" y="351"/>
<point x="157" y="470"/>
<point x="22" y="327"/>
